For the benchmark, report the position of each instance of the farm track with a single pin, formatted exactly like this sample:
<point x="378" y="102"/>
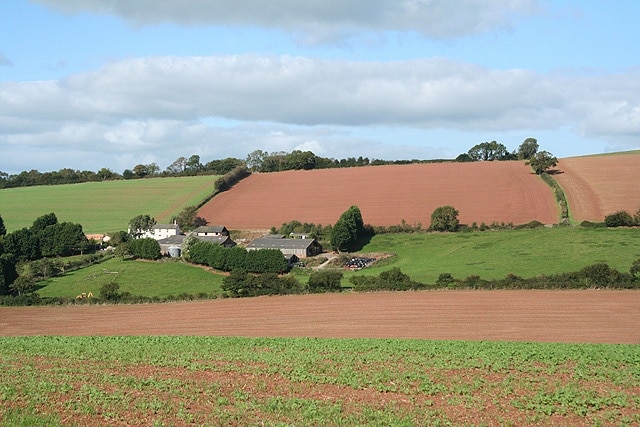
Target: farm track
<point x="594" y="316"/>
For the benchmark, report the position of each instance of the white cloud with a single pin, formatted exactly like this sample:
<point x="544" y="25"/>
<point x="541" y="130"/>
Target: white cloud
<point x="162" y="106"/>
<point x="318" y="21"/>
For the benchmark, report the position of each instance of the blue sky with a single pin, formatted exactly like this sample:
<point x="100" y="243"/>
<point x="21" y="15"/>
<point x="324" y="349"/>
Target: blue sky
<point x="87" y="84"/>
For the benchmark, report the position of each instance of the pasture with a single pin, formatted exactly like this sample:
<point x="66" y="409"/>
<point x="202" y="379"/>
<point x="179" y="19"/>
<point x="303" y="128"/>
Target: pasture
<point x="55" y="381"/>
<point x="494" y="254"/>
<point x="151" y="279"/>
<point x="103" y="207"/>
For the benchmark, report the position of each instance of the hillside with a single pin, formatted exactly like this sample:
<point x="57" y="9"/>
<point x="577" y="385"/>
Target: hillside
<point x="103" y="207"/>
<point x="597" y="186"/>
<point x="482" y="192"/>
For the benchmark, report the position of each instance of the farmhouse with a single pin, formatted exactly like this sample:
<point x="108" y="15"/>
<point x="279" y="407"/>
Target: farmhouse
<point x="301" y="248"/>
<point x="162" y="231"/>
<point x="177" y="242"/>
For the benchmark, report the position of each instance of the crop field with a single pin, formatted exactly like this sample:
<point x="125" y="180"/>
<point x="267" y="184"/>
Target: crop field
<point x="103" y="207"/>
<point x="597" y="186"/>
<point x="54" y="381"/>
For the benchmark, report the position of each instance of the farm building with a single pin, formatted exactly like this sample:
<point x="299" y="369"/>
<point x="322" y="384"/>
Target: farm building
<point x="211" y="230"/>
<point x="177" y="242"/>
<point x="162" y="231"/>
<point x="302" y="248"/>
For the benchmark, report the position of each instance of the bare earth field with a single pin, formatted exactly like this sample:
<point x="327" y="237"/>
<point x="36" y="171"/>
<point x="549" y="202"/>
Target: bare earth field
<point x="597" y="186"/>
<point x="594" y="316"/>
<point x="481" y="192"/>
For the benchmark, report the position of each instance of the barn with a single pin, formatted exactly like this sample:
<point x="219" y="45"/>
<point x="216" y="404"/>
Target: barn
<point x="302" y="248"/>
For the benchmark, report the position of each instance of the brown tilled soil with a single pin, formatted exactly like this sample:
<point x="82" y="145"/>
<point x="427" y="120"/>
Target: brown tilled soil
<point x="597" y="186"/>
<point x="593" y="316"/>
<point x="481" y="192"/>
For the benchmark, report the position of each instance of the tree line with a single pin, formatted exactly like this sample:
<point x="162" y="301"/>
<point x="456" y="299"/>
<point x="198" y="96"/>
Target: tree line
<point x="263" y="161"/>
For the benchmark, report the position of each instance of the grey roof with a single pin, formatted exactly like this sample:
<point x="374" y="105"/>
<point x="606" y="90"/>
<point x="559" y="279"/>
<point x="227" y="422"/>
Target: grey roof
<point x="178" y="239"/>
<point x="213" y="239"/>
<point x="270" y="243"/>
<point x="165" y="227"/>
<point x="210" y="229"/>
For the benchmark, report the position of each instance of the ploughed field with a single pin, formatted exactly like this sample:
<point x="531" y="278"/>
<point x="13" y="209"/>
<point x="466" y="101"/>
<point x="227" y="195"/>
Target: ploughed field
<point x="597" y="316"/>
<point x="596" y="186"/>
<point x="386" y="195"/>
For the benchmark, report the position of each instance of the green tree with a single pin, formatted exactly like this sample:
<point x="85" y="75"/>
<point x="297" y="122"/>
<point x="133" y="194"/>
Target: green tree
<point x="193" y="165"/>
<point x="140" y="224"/>
<point x="23" y="285"/>
<point x="8" y="273"/>
<point x="635" y="270"/>
<point x="444" y="218"/>
<point x="265" y="261"/>
<point x="325" y="281"/>
<point x="3" y="229"/>
<point x="188" y="220"/>
<point x="542" y="161"/>
<point x="110" y="291"/>
<point x="528" y="149"/>
<point x="62" y="239"/>
<point x="146" y="248"/>
<point x="23" y="244"/>
<point x="236" y="283"/>
<point x="489" y="151"/>
<point x="348" y="230"/>
<point x="43" y="222"/>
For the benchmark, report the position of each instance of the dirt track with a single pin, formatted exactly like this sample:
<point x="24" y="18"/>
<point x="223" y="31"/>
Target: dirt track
<point x="540" y="316"/>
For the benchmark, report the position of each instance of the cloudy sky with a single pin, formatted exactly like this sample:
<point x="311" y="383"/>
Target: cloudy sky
<point x="87" y="84"/>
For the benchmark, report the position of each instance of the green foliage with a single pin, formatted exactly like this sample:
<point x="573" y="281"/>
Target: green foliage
<point x="265" y="261"/>
<point x="231" y="178"/>
<point x="241" y="284"/>
<point x="23" y="244"/>
<point x="391" y="280"/>
<point x="489" y="151"/>
<point x="635" y="270"/>
<point x="62" y="239"/>
<point x="619" y="219"/>
<point x="3" y="229"/>
<point x="140" y="224"/>
<point x="444" y="218"/>
<point x="110" y="291"/>
<point x="23" y="285"/>
<point x="8" y="273"/>
<point x="348" y="230"/>
<point x="559" y="195"/>
<point x="315" y="231"/>
<point x="528" y="149"/>
<point x="42" y="222"/>
<point x="146" y="248"/>
<point x="188" y="220"/>
<point x="542" y="161"/>
<point x="325" y="281"/>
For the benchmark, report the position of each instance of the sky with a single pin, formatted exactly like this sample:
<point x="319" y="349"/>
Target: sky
<point x="87" y="84"/>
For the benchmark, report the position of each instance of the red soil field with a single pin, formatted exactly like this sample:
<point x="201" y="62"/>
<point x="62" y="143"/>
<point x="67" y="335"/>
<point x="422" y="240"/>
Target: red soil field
<point x="588" y="316"/>
<point x="596" y="186"/>
<point x="481" y="192"/>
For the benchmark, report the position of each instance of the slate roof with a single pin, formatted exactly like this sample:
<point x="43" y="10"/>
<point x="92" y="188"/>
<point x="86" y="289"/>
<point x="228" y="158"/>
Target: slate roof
<point x="210" y="229"/>
<point x="271" y="243"/>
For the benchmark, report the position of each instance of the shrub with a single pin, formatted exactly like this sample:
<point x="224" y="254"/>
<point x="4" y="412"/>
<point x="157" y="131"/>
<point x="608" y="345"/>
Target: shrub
<point x="444" y="218"/>
<point x="325" y="281"/>
<point x="146" y="248"/>
<point x="619" y="219"/>
<point x="590" y="224"/>
<point x="109" y="291"/>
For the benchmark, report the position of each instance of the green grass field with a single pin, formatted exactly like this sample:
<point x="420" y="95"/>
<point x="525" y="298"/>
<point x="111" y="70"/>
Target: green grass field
<point x="423" y="256"/>
<point x="103" y="207"/>
<point x="151" y="279"/>
<point x="55" y="381"/>
<point x="494" y="254"/>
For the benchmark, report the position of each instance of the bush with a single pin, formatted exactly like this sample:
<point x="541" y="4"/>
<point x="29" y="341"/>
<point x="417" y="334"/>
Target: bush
<point x="619" y="219"/>
<point x="109" y="291"/>
<point x="325" y="281"/>
<point x="590" y="224"/>
<point x="146" y="248"/>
